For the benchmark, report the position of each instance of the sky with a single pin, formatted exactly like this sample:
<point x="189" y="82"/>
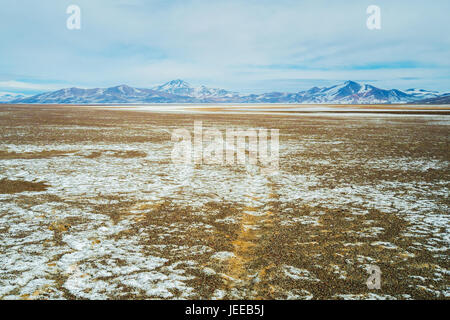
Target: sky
<point x="245" y="46"/>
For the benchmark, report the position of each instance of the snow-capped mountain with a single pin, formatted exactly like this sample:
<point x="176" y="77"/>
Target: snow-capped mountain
<point x="10" y="96"/>
<point x="118" y="94"/>
<point x="351" y="92"/>
<point x="178" y="87"/>
<point x="423" y="94"/>
<point x="182" y="88"/>
<point x="179" y="91"/>
<point x="442" y="99"/>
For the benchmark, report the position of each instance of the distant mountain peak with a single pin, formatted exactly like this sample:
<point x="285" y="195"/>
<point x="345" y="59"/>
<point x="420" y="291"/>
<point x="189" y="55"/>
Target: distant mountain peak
<point x="178" y="83"/>
<point x="177" y="86"/>
<point x="183" y="88"/>
<point x="353" y="84"/>
<point x="11" y="96"/>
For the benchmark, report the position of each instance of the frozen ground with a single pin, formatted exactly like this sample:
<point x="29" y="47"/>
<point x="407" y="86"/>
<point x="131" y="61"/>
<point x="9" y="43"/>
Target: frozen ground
<point x="116" y="219"/>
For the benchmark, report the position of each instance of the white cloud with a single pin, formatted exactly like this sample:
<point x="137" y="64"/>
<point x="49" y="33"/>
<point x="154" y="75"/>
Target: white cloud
<point x="12" y="84"/>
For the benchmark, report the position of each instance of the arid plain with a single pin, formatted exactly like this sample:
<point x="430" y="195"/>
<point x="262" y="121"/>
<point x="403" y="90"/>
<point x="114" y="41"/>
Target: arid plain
<point x="92" y="207"/>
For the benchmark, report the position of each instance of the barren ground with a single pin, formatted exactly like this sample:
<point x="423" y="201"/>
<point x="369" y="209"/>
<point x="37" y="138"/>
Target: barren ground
<point x="91" y="207"/>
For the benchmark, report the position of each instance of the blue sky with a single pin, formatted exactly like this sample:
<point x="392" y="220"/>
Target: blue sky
<point x="245" y="46"/>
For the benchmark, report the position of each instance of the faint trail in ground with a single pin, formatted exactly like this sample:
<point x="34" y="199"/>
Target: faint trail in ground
<point x="255" y="221"/>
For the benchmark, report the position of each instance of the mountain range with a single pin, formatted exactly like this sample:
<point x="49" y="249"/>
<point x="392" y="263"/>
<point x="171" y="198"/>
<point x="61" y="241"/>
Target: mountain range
<point x="442" y="99"/>
<point x="179" y="91"/>
<point x="10" y="96"/>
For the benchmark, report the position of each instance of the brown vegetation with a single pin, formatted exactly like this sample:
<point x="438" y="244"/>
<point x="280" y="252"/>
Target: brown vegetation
<point x="16" y="186"/>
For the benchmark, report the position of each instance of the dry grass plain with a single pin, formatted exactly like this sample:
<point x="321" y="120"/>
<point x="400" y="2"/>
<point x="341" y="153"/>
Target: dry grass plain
<point x="91" y="207"/>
